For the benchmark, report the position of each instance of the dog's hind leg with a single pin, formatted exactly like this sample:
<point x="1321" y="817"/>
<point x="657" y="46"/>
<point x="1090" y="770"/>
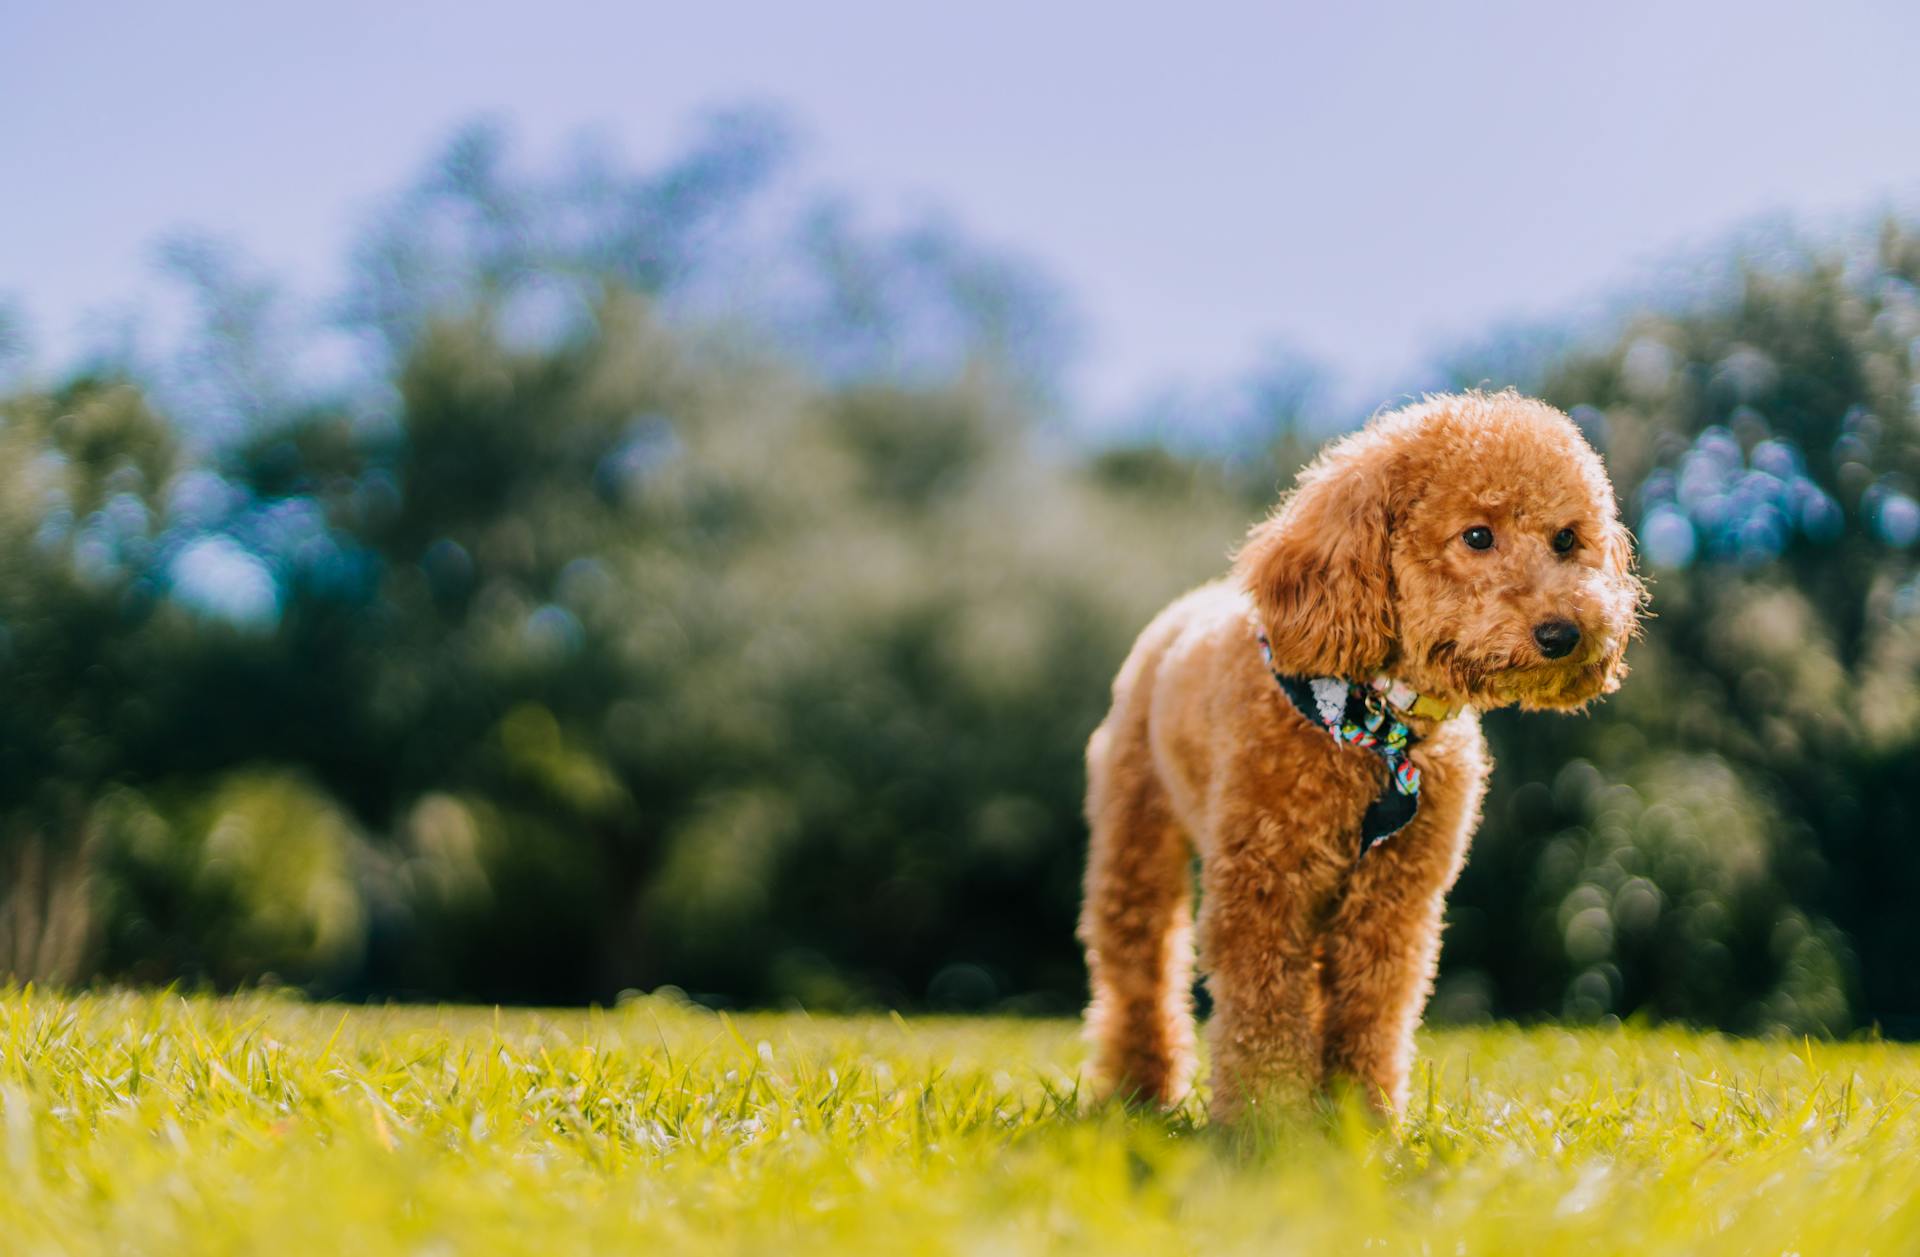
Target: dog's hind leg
<point x="1137" y="924"/>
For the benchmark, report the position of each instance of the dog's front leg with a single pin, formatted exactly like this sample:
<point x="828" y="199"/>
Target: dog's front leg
<point x="1380" y="953"/>
<point x="1265" y="887"/>
<point x="1383" y="942"/>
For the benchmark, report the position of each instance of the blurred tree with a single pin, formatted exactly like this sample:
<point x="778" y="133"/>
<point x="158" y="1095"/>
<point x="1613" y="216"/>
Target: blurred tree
<point x="80" y="471"/>
<point x="618" y="631"/>
<point x="1763" y="439"/>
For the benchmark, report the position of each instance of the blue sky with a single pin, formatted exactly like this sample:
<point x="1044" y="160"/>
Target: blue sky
<point x="1205" y="181"/>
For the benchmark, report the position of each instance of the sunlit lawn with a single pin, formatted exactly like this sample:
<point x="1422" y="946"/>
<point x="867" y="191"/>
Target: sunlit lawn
<point x="137" y="1123"/>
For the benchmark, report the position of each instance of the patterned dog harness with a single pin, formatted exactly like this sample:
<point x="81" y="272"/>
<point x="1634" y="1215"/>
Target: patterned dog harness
<point x="1370" y="716"/>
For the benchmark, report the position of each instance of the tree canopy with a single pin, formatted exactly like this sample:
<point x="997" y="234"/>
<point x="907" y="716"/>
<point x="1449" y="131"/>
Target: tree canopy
<point x="697" y="588"/>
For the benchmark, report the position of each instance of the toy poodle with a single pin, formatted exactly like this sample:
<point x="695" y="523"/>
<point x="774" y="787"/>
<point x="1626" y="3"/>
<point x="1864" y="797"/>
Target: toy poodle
<point x="1308" y="730"/>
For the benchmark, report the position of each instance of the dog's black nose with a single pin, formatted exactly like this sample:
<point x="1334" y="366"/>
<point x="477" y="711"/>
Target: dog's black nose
<point x="1557" y="638"/>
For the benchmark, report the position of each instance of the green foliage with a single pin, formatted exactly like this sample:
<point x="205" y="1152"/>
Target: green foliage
<point x="679" y="600"/>
<point x="1726" y="838"/>
<point x="160" y="1124"/>
<point x="258" y="877"/>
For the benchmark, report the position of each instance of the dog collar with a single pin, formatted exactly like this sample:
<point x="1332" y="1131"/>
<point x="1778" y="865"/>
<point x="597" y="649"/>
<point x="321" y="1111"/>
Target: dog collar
<point x="1405" y="700"/>
<point x="1373" y="716"/>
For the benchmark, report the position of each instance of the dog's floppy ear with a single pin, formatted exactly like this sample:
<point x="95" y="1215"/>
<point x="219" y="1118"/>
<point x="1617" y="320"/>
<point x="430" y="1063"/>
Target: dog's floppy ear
<point x="1319" y="569"/>
<point x="1616" y="551"/>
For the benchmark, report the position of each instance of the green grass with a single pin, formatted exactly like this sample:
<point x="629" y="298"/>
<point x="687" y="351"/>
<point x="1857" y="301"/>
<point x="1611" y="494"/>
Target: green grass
<point x="151" y="1123"/>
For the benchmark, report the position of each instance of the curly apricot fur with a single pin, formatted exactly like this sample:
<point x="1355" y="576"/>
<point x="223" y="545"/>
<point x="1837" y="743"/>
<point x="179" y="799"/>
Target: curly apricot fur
<point x="1319" y="963"/>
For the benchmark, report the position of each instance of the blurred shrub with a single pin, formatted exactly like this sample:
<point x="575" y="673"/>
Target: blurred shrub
<point x="1747" y="867"/>
<point x="261" y="875"/>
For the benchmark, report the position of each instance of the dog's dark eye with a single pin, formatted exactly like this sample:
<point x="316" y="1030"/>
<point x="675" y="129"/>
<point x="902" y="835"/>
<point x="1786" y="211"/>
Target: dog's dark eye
<point x="1563" y="541"/>
<point x="1479" y="537"/>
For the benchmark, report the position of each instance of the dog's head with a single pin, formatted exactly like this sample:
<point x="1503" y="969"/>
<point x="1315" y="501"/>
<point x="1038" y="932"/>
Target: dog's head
<point x="1469" y="545"/>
